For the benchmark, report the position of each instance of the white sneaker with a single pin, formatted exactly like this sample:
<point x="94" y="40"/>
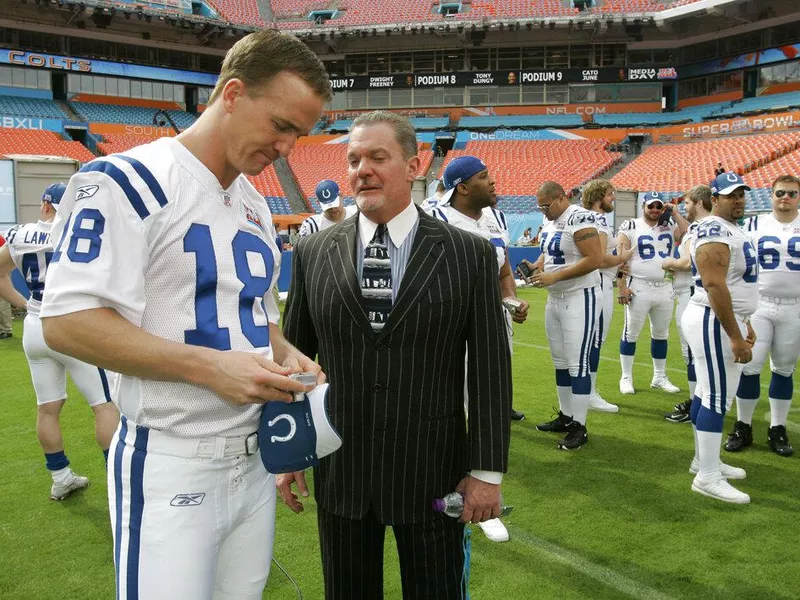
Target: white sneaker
<point x="662" y="383"/>
<point x="728" y="472"/>
<point x="716" y="486"/>
<point x="626" y="386"/>
<point x="494" y="530"/>
<point x="596" y="402"/>
<point x="59" y="491"/>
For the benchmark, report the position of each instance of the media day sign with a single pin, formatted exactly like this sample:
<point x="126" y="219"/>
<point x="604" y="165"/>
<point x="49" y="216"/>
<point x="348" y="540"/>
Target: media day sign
<point x="103" y="67"/>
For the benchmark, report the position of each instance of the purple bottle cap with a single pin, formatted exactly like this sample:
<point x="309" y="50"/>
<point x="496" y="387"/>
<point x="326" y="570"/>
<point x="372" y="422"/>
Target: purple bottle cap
<point x="439" y="505"/>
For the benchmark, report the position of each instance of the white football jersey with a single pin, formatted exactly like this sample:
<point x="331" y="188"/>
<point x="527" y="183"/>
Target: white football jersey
<point x="31" y="250"/>
<point x="152" y="234"/>
<point x="683" y="279"/>
<point x="560" y="251"/>
<point x="651" y="246"/>
<point x="319" y="222"/>
<point x="778" y="246"/>
<point x="611" y="241"/>
<point x="742" y="278"/>
<point x="491" y="226"/>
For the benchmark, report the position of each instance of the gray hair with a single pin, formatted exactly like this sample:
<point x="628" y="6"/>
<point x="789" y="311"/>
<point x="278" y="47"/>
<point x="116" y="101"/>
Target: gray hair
<point x="403" y="130"/>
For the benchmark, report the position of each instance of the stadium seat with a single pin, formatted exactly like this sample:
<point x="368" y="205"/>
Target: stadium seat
<point x="498" y="121"/>
<point x="41" y="143"/>
<point x="31" y="107"/>
<point x="242" y="12"/>
<point x="759" y="103"/>
<point x="127" y="115"/>
<point x="762" y="177"/>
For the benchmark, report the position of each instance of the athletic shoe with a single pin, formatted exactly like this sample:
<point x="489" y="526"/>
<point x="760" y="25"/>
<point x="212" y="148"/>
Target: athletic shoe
<point x="494" y="530"/>
<point x="576" y="437"/>
<point x="597" y="403"/>
<point x="59" y="491"/>
<point x="777" y="440"/>
<point x="559" y="424"/>
<point x="517" y="415"/>
<point x="662" y="383"/>
<point x="740" y="437"/>
<point x="681" y="414"/>
<point x="626" y="386"/>
<point x="5" y="336"/>
<point x="715" y="486"/>
<point x="727" y="471"/>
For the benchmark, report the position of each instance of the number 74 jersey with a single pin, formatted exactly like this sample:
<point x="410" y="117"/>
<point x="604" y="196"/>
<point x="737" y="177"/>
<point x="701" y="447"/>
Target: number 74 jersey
<point x="151" y="234"/>
<point x="778" y="247"/>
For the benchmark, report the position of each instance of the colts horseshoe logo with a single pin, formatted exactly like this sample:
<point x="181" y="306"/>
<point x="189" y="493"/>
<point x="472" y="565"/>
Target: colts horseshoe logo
<point x="292" y="428"/>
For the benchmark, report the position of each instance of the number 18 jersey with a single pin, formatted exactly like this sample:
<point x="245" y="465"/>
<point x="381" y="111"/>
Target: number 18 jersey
<point x="152" y="234"/>
<point x="560" y="251"/>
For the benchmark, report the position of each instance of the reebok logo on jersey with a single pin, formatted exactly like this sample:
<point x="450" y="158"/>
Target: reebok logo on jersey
<point x="86" y="191"/>
<point x="188" y="499"/>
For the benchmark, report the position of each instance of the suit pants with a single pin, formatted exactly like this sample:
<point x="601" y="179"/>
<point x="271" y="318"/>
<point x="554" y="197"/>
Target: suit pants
<point x="5" y="316"/>
<point x="431" y="557"/>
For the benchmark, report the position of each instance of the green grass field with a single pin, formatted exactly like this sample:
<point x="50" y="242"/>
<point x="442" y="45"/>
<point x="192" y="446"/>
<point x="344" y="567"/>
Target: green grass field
<point x="614" y="519"/>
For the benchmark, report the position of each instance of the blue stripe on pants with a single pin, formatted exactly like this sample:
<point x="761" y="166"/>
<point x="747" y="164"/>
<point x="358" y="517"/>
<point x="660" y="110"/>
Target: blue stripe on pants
<point x="123" y="432"/>
<point x="136" y="510"/>
<point x="104" y="381"/>
<point x="723" y="376"/>
<point x="712" y="388"/>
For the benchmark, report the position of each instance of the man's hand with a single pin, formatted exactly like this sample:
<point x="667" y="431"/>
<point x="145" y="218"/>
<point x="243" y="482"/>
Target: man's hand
<point x="751" y="335"/>
<point x="300" y="363"/>
<point x="544" y="279"/>
<point x="247" y="378"/>
<point x="481" y="500"/>
<point x="521" y="313"/>
<point x="624" y="295"/>
<point x="668" y="264"/>
<point x="626" y="254"/>
<point x="742" y="350"/>
<point x="284" y="484"/>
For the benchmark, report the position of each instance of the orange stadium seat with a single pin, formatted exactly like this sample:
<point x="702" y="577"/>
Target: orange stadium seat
<point x="677" y="167"/>
<point x="762" y="177"/>
<point x="42" y="143"/>
<point x="520" y="167"/>
<point x="244" y="12"/>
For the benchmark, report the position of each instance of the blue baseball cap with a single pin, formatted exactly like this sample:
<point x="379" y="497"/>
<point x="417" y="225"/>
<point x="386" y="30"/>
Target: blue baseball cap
<point x="727" y="183"/>
<point x="651" y="197"/>
<point x="53" y="193"/>
<point x="293" y="436"/>
<point x="460" y="170"/>
<point x="327" y="193"/>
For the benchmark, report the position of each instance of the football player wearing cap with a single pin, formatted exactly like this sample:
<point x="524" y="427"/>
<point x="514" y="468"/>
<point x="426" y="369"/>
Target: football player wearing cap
<point x="776" y="321"/>
<point x="598" y="196"/>
<point x="698" y="207"/>
<point x="30" y="250"/>
<point x="716" y="325"/>
<point x="468" y="203"/>
<point x="333" y="211"/>
<point x="436" y="190"/>
<point x="647" y="292"/>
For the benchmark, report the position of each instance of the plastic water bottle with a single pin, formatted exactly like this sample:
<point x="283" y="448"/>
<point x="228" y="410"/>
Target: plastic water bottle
<point x="453" y="505"/>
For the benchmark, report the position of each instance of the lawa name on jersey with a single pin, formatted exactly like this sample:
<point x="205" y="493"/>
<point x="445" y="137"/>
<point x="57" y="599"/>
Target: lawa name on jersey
<point x="36" y="238"/>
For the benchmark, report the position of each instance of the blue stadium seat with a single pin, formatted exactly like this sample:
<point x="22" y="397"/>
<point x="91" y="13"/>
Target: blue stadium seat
<point x="521" y="121"/>
<point x="517" y="204"/>
<point x="278" y="205"/>
<point x="127" y="115"/>
<point x="31" y="107"/>
<point x="421" y="123"/>
<point x="770" y="102"/>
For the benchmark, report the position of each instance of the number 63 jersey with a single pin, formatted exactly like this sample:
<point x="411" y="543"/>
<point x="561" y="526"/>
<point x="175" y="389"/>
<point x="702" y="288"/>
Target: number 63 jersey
<point x="152" y="234"/>
<point x="742" y="277"/>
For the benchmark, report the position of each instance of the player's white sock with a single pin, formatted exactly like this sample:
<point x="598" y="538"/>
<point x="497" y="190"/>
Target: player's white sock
<point x="659" y="367"/>
<point x="692" y="388"/>
<point x="779" y="411"/>
<point x="745" y="408"/>
<point x="708" y="444"/>
<point x="626" y="361"/>
<point x="580" y="407"/>
<point x="62" y="475"/>
<point x="565" y="399"/>
<point x="594" y="383"/>
<point x="696" y="444"/>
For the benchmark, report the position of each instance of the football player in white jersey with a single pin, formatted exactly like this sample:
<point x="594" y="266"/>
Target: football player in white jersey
<point x="698" y="207"/>
<point x="435" y="190"/>
<point x="598" y="196"/>
<point x="164" y="272"/>
<point x="716" y="325"/>
<point x="776" y="322"/>
<point x="333" y="210"/>
<point x="469" y="203"/>
<point x="646" y="292"/>
<point x="30" y="249"/>
<point x="567" y="267"/>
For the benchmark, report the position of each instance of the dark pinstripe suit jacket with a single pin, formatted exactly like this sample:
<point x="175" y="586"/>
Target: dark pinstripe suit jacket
<point x="397" y="397"/>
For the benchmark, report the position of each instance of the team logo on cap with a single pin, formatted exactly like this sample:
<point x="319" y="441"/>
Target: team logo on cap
<point x="292" y="428"/>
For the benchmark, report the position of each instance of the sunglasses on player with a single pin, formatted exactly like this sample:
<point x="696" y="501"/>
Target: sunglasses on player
<point x="656" y="205"/>
<point x="782" y="193"/>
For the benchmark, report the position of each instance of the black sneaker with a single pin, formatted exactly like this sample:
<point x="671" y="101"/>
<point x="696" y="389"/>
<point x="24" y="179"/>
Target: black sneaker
<point x="681" y="414"/>
<point x="777" y="440"/>
<point x="5" y="336"/>
<point x="576" y="437"/>
<point x="740" y="437"/>
<point x="517" y="415"/>
<point x="560" y="424"/>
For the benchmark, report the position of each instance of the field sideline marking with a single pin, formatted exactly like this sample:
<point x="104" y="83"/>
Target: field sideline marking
<point x="604" y="575"/>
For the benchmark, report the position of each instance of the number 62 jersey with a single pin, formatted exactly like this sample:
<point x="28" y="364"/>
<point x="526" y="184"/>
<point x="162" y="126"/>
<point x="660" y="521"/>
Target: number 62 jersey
<point x="152" y="234"/>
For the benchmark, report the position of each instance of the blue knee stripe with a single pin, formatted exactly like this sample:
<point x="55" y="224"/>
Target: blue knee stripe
<point x="594" y="359"/>
<point x="780" y="387"/>
<point x="691" y="375"/>
<point x="694" y="409"/>
<point x="709" y="420"/>
<point x="563" y="378"/>
<point x="658" y="348"/>
<point x="750" y="387"/>
<point x="627" y="348"/>
<point x="582" y="385"/>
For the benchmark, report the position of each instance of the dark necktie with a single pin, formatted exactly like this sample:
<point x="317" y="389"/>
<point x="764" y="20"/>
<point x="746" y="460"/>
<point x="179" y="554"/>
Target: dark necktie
<point x="376" y="280"/>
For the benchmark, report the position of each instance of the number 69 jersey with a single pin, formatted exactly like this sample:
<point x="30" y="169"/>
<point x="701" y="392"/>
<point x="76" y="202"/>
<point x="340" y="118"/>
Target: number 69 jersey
<point x="151" y="234"/>
<point x="560" y="250"/>
<point x="742" y="278"/>
<point x="778" y="246"/>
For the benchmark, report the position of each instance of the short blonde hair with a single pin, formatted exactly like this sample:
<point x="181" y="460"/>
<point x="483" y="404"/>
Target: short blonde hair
<point x="595" y="191"/>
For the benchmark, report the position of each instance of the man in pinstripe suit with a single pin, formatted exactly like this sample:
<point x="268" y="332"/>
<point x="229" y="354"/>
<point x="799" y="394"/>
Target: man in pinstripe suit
<point x="397" y="379"/>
